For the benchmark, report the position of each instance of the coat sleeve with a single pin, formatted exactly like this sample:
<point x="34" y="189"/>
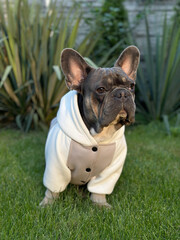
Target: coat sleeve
<point x="57" y="175"/>
<point x="104" y="183"/>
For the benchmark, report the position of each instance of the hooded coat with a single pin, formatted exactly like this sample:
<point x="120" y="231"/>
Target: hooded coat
<point x="74" y="156"/>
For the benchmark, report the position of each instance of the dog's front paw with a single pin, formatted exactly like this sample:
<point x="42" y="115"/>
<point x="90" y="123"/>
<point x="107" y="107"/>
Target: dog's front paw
<point x="49" y="198"/>
<point x="100" y="200"/>
<point x="46" y="201"/>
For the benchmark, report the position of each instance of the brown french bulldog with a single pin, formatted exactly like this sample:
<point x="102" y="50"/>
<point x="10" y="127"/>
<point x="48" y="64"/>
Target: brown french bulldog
<point x="86" y="143"/>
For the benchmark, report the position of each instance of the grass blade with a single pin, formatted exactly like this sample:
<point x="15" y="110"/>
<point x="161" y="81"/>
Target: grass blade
<point x="6" y="73"/>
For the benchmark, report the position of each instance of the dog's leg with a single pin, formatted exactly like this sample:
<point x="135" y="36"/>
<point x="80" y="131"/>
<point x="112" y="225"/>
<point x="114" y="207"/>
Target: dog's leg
<point x="100" y="200"/>
<point x="49" y="198"/>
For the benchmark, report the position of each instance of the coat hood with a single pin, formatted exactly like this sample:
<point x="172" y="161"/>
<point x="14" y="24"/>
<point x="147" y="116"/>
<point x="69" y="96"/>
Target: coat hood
<point x="71" y="123"/>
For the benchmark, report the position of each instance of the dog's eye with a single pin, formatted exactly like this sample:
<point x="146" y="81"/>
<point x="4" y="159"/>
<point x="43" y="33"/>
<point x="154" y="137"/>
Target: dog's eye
<point x="132" y="87"/>
<point x="101" y="90"/>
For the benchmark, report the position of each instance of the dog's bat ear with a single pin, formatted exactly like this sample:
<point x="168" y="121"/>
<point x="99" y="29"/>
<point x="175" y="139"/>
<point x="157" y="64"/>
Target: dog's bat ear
<point x="129" y="61"/>
<point x="74" y="68"/>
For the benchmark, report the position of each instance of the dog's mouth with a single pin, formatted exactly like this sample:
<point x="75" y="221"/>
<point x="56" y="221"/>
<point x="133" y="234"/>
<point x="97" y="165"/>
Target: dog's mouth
<point x="125" y="121"/>
<point x="123" y="118"/>
<point x="123" y="114"/>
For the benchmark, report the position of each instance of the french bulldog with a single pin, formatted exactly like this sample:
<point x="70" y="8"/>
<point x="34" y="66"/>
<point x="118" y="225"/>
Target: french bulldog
<point x="86" y="143"/>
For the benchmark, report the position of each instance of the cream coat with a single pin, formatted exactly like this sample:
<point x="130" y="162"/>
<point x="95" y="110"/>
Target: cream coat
<point x="64" y="164"/>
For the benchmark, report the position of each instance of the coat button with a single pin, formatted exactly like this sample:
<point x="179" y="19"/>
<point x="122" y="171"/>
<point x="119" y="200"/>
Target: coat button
<point x="88" y="170"/>
<point x="94" y="149"/>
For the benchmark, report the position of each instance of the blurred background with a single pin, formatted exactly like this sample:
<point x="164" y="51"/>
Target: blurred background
<point x="33" y="34"/>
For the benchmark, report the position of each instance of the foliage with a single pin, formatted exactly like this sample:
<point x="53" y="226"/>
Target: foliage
<point x="145" y="199"/>
<point x="112" y="22"/>
<point x="158" y="78"/>
<point x="177" y="11"/>
<point x="172" y="129"/>
<point x="31" y="42"/>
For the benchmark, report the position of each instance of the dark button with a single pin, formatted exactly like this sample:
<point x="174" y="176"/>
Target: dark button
<point x="88" y="170"/>
<point x="94" y="149"/>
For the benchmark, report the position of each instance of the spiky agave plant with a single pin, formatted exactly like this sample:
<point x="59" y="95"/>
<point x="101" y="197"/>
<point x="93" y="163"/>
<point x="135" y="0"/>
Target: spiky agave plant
<point x="31" y="83"/>
<point x="158" y="79"/>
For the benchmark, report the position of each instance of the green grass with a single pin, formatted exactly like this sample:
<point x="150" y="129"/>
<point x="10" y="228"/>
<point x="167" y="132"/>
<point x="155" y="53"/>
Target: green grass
<point x="145" y="199"/>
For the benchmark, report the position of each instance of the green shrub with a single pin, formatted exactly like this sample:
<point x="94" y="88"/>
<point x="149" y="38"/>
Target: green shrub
<point x="158" y="79"/>
<point x="111" y="21"/>
<point x="177" y="11"/>
<point x="32" y="39"/>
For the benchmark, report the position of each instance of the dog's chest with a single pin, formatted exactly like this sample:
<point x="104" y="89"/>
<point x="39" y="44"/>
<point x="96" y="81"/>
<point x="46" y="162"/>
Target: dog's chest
<point x="87" y="162"/>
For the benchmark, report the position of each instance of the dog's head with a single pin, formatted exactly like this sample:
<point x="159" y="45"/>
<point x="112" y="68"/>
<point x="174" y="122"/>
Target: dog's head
<point x="107" y="93"/>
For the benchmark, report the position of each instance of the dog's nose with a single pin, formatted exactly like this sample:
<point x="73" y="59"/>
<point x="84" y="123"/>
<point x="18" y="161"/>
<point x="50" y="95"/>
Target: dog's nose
<point x="121" y="94"/>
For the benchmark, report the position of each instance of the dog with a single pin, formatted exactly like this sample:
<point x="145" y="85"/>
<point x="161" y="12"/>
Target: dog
<point x="86" y="142"/>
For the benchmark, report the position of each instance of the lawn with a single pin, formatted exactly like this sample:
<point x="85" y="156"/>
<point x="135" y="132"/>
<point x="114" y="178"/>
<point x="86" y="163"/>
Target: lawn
<point x="145" y="200"/>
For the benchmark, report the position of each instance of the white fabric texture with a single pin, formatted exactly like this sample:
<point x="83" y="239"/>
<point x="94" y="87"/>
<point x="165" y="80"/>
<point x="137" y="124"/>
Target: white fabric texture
<point x="69" y="126"/>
